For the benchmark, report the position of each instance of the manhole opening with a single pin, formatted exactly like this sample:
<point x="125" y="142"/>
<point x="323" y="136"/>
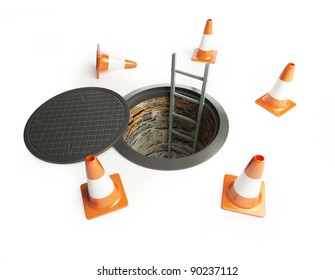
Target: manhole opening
<point x="147" y="131"/>
<point x="145" y="141"/>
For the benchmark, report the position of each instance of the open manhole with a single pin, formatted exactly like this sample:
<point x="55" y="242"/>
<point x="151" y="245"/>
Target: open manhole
<point x="86" y="121"/>
<point x="145" y="141"/>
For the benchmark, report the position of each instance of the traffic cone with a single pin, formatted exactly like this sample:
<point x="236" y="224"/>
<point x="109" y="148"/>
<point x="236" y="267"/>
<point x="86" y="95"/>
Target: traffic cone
<point x="246" y="193"/>
<point x="103" y="63"/>
<point x="276" y="101"/>
<point x="205" y="52"/>
<point x="101" y="194"/>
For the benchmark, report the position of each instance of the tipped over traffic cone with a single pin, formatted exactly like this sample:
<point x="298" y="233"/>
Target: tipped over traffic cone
<point x="101" y="194"/>
<point x="103" y="63"/>
<point x="276" y="101"/>
<point x="205" y="52"/>
<point x="246" y="193"/>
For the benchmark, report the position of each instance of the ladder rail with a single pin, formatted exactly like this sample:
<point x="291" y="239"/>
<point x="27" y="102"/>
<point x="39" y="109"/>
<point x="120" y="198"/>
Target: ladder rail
<point x="173" y="114"/>
<point x="172" y="91"/>
<point x="201" y="107"/>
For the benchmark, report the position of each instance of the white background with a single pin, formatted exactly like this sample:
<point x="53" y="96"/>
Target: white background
<point x="174" y="219"/>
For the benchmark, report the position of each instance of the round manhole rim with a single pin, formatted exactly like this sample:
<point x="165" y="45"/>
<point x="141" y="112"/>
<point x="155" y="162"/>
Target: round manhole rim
<point x="136" y="96"/>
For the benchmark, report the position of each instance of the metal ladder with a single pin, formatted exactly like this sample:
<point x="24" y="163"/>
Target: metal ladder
<point x="173" y="114"/>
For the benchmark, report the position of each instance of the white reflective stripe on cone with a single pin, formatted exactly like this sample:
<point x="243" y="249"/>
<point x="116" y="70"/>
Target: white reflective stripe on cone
<point x="101" y="187"/>
<point x="206" y="43"/>
<point x="247" y="187"/>
<point x="280" y="90"/>
<point x="115" y="63"/>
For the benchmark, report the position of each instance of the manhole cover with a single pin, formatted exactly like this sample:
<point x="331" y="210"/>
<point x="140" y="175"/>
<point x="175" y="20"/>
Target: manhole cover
<point x="76" y="123"/>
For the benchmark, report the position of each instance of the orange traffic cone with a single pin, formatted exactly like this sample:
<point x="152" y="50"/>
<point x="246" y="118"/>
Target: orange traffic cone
<point x="101" y="194"/>
<point x="276" y="100"/>
<point x="103" y="63"/>
<point x="205" y="52"/>
<point x="245" y="193"/>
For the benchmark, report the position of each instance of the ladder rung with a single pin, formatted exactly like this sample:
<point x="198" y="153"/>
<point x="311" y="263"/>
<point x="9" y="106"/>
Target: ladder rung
<point x="185" y="150"/>
<point x="188" y="119"/>
<point x="189" y="138"/>
<point x="191" y="99"/>
<point x="189" y="75"/>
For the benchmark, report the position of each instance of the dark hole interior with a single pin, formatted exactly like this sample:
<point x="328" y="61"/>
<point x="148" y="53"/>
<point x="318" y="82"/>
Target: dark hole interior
<point x="147" y="131"/>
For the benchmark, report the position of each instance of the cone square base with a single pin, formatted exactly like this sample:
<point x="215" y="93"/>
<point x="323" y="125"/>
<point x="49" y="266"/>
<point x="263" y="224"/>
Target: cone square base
<point x="97" y="64"/>
<point x="276" y="111"/>
<point x="93" y="212"/>
<point x="198" y="59"/>
<point x="226" y="204"/>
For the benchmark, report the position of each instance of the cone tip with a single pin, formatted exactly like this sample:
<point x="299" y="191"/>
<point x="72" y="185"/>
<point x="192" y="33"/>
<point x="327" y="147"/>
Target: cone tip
<point x="130" y="64"/>
<point x="94" y="169"/>
<point x="255" y="167"/>
<point x="259" y="158"/>
<point x="90" y="159"/>
<point x="208" y="28"/>
<point x="287" y="74"/>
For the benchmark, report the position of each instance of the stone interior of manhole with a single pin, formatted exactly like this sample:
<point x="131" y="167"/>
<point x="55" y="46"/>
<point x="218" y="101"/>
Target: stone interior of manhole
<point x="149" y="123"/>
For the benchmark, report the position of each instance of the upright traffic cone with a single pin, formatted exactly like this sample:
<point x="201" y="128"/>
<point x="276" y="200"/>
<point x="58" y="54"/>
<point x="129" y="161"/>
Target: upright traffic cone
<point x="205" y="52"/>
<point x="101" y="194"/>
<point x="276" y="101"/>
<point x="246" y="193"/>
<point x="104" y="62"/>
